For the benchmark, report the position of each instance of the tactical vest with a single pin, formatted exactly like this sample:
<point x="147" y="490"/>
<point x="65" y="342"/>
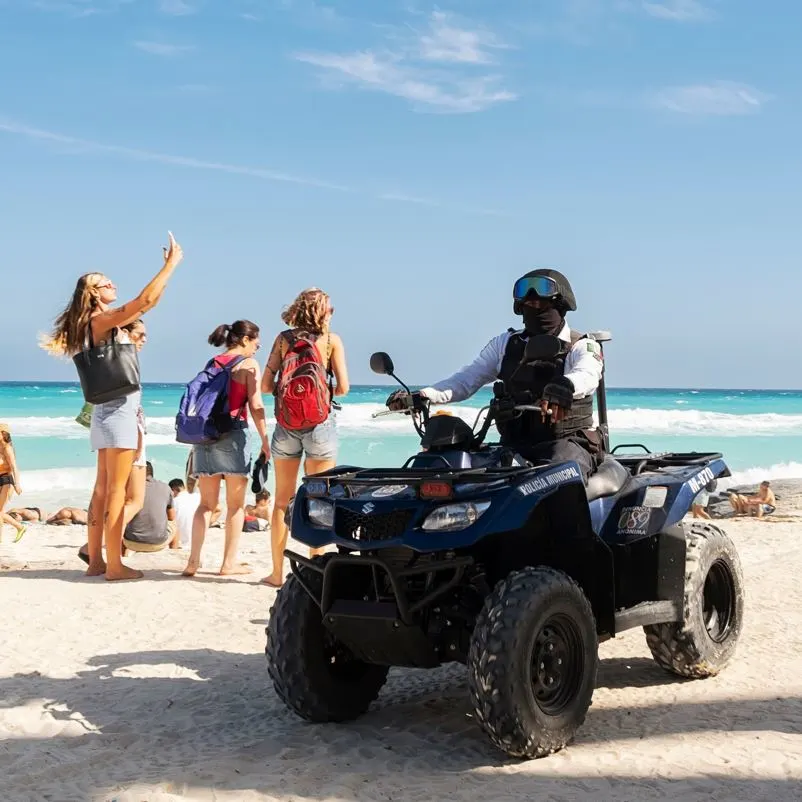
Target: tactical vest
<point x="525" y="383"/>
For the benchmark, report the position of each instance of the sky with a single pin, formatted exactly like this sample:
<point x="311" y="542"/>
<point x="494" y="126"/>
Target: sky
<point x="413" y="160"/>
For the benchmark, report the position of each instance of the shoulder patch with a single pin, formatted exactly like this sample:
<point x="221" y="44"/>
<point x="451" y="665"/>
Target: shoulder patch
<point x="593" y="347"/>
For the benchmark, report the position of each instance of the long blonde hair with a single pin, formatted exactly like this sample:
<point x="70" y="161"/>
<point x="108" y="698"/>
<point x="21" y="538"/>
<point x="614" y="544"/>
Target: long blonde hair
<point x="308" y="311"/>
<point x="69" y="329"/>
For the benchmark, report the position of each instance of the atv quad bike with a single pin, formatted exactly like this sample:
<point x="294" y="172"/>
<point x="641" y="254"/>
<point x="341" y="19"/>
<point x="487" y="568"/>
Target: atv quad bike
<point x="469" y="553"/>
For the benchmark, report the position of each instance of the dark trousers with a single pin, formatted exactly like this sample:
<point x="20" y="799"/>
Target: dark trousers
<point x="563" y="450"/>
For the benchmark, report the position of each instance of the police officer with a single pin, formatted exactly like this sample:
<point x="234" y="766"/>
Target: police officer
<point x="563" y="428"/>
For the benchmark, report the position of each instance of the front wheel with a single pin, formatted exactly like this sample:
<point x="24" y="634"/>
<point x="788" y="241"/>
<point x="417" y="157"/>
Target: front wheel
<point x="703" y="643"/>
<point x="533" y="661"/>
<point x="315" y="675"/>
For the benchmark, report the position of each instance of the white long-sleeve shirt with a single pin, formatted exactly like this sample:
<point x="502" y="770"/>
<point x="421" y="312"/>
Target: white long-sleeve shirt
<point x="583" y="366"/>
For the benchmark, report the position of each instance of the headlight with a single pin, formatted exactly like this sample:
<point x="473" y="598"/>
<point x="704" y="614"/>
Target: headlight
<point x="321" y="513"/>
<point x="453" y="517"/>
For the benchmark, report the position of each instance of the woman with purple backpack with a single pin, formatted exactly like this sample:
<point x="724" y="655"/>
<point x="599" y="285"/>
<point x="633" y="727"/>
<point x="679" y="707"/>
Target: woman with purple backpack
<point x="229" y="456"/>
<point x="299" y="373"/>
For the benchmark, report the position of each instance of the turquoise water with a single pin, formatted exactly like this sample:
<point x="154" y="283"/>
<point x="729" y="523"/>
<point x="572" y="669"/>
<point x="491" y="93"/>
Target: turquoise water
<point x="759" y="432"/>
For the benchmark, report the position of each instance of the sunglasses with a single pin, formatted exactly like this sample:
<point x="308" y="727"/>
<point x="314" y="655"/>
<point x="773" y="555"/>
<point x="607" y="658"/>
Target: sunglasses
<point x="542" y="286"/>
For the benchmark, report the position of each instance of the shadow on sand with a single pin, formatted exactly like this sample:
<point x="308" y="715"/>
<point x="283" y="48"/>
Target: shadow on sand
<point x="217" y="724"/>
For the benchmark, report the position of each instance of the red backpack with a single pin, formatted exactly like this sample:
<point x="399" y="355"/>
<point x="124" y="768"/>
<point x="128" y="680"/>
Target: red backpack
<point x="303" y="391"/>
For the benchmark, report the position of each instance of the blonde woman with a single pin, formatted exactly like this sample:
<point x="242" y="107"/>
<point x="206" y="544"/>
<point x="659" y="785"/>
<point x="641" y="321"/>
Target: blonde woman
<point x="308" y="316"/>
<point x="114" y="430"/>
<point x="9" y="480"/>
<point x="135" y="487"/>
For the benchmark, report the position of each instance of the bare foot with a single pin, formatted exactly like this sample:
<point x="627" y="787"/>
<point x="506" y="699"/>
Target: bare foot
<point x="96" y="569"/>
<point x="124" y="573"/>
<point x="231" y="570"/>
<point x="272" y="582"/>
<point x="191" y="569"/>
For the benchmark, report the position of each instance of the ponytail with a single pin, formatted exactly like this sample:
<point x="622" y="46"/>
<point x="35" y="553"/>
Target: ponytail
<point x="219" y="335"/>
<point x="233" y="334"/>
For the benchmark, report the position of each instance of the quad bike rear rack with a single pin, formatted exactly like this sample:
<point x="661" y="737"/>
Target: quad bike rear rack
<point x="655" y="461"/>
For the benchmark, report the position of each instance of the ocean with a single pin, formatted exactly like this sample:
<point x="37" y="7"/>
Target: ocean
<point x="759" y="432"/>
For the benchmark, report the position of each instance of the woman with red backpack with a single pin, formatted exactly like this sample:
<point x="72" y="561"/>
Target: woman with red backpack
<point x="299" y="373"/>
<point x="226" y="455"/>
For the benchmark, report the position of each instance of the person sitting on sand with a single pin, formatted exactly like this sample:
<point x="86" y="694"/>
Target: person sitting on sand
<point x="702" y="499"/>
<point x="699" y="505"/>
<point x="185" y="505"/>
<point x="27" y="514"/>
<point x="9" y="480"/>
<point x="149" y="529"/>
<point x="762" y="503"/>
<point x="68" y="515"/>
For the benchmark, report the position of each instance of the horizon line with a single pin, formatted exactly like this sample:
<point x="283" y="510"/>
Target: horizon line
<point x="30" y="382"/>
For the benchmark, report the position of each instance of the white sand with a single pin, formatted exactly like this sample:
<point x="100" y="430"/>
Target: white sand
<point x="157" y="690"/>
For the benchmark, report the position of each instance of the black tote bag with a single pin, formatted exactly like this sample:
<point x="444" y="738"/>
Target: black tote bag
<point x="107" y="371"/>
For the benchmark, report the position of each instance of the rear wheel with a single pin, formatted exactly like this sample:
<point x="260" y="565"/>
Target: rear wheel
<point x="315" y="675"/>
<point x="703" y="643"/>
<point x="533" y="661"/>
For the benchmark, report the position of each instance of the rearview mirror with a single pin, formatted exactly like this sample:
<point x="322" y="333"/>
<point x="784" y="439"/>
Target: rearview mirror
<point x="381" y="363"/>
<point x="542" y="346"/>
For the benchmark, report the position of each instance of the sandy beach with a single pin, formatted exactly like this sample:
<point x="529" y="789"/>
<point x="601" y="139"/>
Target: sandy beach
<point x="157" y="690"/>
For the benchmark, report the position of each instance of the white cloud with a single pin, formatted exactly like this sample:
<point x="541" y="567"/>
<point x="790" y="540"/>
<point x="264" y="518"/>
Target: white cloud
<point x="162" y="48"/>
<point x="435" y="69"/>
<point x="163" y="158"/>
<point x="676" y="10"/>
<point x="445" y="92"/>
<point x="75" y="146"/>
<point x="176" y="8"/>
<point x="722" y="98"/>
<point x="446" y="42"/>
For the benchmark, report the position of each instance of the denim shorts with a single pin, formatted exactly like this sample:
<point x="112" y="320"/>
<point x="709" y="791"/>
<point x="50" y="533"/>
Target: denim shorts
<point x="319" y="442"/>
<point x="230" y="455"/>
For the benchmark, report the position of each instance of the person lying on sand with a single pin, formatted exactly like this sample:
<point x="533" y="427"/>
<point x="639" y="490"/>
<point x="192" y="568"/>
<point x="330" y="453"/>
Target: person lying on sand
<point x="68" y="515"/>
<point x="26" y="514"/>
<point x="762" y="503"/>
<point x="263" y="508"/>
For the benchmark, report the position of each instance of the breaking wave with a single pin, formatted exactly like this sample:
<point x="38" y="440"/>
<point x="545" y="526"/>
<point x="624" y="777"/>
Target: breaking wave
<point x="358" y="418"/>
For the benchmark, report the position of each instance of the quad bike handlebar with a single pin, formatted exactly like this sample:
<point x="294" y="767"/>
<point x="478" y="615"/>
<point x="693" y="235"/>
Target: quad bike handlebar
<point x="418" y="408"/>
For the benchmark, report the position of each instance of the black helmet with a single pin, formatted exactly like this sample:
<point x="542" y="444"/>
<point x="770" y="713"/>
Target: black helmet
<point x="561" y="291"/>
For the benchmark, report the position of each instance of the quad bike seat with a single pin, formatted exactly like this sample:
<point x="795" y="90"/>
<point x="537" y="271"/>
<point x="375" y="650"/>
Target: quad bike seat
<point x="608" y="479"/>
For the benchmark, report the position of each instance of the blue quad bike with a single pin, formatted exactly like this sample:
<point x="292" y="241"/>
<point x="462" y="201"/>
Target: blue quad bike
<point x="469" y="553"/>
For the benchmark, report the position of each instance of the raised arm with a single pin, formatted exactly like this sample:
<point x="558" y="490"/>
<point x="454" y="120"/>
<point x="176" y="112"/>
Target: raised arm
<point x="338" y="366"/>
<point x="104" y="322"/>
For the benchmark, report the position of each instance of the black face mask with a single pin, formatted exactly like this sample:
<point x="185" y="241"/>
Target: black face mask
<point x="542" y="321"/>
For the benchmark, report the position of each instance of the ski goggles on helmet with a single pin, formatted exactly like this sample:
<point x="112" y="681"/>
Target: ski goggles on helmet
<point x="542" y="286"/>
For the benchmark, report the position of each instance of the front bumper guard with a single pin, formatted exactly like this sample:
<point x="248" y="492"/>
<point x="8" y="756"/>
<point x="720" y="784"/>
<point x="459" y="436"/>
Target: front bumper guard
<point x="406" y="608"/>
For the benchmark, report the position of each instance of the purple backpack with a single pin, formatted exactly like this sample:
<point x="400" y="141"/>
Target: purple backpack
<point x="203" y="414"/>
